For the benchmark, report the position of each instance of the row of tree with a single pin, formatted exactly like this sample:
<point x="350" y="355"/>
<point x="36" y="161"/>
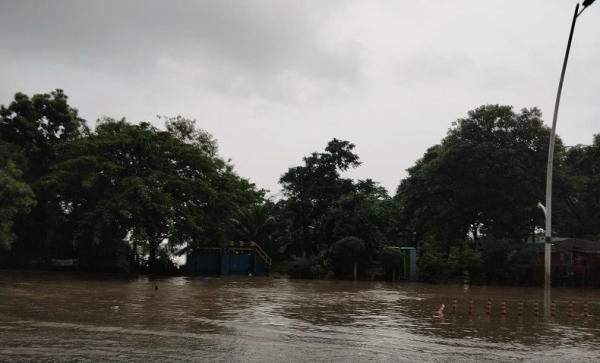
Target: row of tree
<point x="110" y="197"/>
<point x="129" y="196"/>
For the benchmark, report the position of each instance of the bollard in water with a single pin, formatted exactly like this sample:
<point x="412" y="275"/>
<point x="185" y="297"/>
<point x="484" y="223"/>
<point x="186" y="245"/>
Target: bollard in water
<point x="503" y="308"/>
<point x="553" y="309"/>
<point x="454" y="306"/>
<point x="488" y="307"/>
<point x="471" y="307"/>
<point x="570" y="309"/>
<point x="536" y="309"/>
<point x="585" y="313"/>
<point x="440" y="311"/>
<point x="520" y="309"/>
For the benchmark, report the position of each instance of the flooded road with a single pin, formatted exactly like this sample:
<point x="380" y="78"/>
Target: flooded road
<point x="77" y="317"/>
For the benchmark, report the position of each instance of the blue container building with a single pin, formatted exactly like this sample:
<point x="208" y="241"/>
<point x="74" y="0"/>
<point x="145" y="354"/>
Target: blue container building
<point x="234" y="258"/>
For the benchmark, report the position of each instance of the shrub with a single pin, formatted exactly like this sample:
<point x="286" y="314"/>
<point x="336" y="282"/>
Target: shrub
<point x="509" y="262"/>
<point x="433" y="266"/>
<point x="465" y="259"/>
<point x="494" y="255"/>
<point x="305" y="268"/>
<point x="392" y="259"/>
<point x="523" y="265"/>
<point x="345" y="254"/>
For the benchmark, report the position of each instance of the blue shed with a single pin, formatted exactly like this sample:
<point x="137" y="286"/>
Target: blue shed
<point x="233" y="258"/>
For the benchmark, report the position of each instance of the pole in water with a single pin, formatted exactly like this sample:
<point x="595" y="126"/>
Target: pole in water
<point x="488" y="307"/>
<point x="440" y="311"/>
<point x="536" y="309"/>
<point x="471" y="307"/>
<point x="547" y="302"/>
<point x="585" y="310"/>
<point x="503" y="308"/>
<point x="454" y="306"/>
<point x="520" y="309"/>
<point x="553" y="309"/>
<point x="570" y="309"/>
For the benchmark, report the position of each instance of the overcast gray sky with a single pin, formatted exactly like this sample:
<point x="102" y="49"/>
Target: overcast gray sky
<point x="275" y="80"/>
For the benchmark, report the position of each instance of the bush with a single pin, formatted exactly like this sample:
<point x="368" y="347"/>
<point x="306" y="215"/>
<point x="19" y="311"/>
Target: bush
<point x="494" y="255"/>
<point x="305" y="268"/>
<point x="433" y="266"/>
<point x="523" y="265"/>
<point x="465" y="259"/>
<point x="509" y="262"/>
<point x="392" y="259"/>
<point x="345" y="253"/>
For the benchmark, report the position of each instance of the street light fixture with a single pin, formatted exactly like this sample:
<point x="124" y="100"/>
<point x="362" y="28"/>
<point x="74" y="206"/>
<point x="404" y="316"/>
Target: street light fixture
<point x="548" y="232"/>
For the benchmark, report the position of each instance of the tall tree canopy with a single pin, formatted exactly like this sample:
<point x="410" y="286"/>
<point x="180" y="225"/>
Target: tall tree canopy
<point x="16" y="195"/>
<point x="322" y="207"/>
<point x="312" y="188"/>
<point x="578" y="200"/>
<point x="185" y="130"/>
<point x="137" y="182"/>
<point x="485" y="177"/>
<point x="33" y="127"/>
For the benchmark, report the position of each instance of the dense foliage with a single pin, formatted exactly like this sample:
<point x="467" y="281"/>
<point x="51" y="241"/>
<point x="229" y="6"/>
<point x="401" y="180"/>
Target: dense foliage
<point x="119" y="197"/>
<point x="129" y="197"/>
<point x="580" y="192"/>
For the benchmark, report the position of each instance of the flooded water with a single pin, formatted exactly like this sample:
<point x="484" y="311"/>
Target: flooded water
<point x="58" y="317"/>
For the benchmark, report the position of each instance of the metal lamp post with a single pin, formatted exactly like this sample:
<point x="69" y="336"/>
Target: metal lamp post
<point x="548" y="211"/>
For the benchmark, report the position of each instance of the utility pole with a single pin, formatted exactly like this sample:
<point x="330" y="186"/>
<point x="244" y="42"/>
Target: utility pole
<point x="548" y="206"/>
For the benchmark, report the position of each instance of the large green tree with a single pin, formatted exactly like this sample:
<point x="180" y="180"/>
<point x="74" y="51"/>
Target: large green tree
<point x="312" y="188"/>
<point x="484" y="178"/>
<point x="16" y="196"/>
<point x="37" y="124"/>
<point x="136" y="186"/>
<point x="34" y="127"/>
<point x="577" y="206"/>
<point x="322" y="208"/>
<point x="366" y="213"/>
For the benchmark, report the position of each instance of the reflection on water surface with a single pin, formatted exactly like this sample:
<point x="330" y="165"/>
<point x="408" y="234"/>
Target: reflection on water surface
<point x="76" y="317"/>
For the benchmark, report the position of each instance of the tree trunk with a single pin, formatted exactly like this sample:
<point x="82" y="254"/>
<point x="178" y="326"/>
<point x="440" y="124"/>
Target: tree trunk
<point x="135" y="256"/>
<point x="152" y="256"/>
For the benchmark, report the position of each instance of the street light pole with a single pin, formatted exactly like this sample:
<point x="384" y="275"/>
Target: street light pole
<point x="548" y="211"/>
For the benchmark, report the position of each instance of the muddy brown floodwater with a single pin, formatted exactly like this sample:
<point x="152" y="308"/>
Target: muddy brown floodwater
<point x="62" y="317"/>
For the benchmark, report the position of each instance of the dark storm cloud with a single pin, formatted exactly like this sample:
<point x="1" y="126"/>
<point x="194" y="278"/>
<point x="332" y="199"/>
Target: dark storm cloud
<point x="276" y="79"/>
<point x="259" y="39"/>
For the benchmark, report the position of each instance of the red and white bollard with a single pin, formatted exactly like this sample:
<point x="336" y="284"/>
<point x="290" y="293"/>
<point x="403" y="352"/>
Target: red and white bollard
<point x="570" y="309"/>
<point x="585" y="310"/>
<point x="520" y="309"/>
